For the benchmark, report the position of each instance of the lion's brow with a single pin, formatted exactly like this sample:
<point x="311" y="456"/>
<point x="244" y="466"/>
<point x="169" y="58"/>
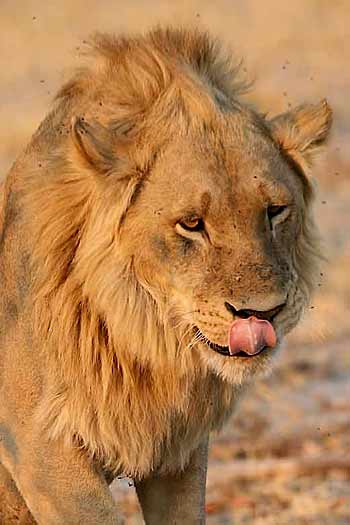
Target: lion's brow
<point x="205" y="202"/>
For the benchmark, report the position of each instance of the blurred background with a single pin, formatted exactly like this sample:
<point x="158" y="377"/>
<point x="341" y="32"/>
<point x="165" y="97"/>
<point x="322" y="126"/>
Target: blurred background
<point x="284" y="458"/>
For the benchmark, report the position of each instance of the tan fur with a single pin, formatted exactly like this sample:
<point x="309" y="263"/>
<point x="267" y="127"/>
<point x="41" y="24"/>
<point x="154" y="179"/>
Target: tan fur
<point x="151" y="125"/>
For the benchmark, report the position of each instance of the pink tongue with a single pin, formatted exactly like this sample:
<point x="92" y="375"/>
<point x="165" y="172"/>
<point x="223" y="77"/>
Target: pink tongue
<point x="251" y="336"/>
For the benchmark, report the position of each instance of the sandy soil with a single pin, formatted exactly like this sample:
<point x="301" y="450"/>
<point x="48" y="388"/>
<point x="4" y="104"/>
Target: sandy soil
<point x="284" y="457"/>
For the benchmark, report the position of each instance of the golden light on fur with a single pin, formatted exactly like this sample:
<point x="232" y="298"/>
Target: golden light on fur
<point x="150" y="132"/>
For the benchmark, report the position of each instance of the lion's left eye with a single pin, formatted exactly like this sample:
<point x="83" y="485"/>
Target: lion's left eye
<point x="193" y="224"/>
<point x="277" y="213"/>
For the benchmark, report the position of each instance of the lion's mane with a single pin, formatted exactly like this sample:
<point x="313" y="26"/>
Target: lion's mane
<point x="117" y="354"/>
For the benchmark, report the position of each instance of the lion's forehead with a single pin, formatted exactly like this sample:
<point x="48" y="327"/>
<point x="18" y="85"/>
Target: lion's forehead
<point x="222" y="178"/>
<point x="222" y="160"/>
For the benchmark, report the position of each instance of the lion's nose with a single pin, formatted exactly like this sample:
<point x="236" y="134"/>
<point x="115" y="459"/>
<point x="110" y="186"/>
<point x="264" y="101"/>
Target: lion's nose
<point x="245" y="313"/>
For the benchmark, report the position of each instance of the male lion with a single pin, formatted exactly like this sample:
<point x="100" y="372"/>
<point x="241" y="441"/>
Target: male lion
<point x="156" y="244"/>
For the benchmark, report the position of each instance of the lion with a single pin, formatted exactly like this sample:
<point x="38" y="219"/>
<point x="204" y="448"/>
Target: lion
<point x="157" y="242"/>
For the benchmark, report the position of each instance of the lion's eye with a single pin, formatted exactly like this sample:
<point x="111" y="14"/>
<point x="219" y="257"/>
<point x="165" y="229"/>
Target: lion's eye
<point x="194" y="224"/>
<point x="277" y="213"/>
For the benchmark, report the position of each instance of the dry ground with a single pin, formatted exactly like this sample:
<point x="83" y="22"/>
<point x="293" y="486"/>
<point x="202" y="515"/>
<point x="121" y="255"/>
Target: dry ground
<point x="284" y="458"/>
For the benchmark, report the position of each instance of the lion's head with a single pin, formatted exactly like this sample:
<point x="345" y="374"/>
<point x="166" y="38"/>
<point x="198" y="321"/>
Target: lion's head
<point x="175" y="210"/>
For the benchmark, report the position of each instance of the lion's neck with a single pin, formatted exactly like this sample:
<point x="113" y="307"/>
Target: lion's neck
<point x="148" y="428"/>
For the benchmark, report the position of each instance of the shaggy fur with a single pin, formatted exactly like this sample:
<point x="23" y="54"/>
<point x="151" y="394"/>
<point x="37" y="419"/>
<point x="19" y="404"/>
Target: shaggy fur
<point x="121" y="375"/>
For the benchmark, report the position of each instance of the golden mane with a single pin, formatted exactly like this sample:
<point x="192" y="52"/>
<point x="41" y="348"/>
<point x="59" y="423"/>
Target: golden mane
<point x="141" y="69"/>
<point x="111" y="341"/>
<point x="115" y="342"/>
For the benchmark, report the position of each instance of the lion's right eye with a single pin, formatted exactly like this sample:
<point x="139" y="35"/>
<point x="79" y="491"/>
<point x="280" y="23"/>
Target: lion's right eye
<point x="193" y="224"/>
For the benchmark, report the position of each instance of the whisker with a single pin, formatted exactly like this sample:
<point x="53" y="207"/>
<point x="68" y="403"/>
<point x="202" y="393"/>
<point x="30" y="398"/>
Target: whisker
<point x="185" y="334"/>
<point x="198" y="337"/>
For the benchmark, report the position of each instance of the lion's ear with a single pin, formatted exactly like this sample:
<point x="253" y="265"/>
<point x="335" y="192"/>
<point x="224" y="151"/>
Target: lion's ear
<point x="95" y="144"/>
<point x="302" y="131"/>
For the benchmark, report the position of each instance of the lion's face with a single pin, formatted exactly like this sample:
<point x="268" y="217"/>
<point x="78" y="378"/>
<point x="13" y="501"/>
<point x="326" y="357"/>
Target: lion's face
<point x="213" y="232"/>
<point x="213" y="219"/>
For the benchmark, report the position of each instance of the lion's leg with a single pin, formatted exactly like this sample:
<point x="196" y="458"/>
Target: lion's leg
<point x="176" y="499"/>
<point x="13" y="510"/>
<point x="60" y="485"/>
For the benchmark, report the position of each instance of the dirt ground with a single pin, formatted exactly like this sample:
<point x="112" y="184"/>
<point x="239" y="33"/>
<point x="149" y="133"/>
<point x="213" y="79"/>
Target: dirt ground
<point x="284" y="457"/>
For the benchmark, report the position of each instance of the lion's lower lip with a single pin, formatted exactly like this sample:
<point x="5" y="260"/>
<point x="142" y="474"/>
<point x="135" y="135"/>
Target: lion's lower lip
<point x="224" y="350"/>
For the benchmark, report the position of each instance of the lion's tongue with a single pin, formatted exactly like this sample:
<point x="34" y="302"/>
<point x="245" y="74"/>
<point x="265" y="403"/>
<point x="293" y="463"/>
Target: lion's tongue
<point x="251" y="336"/>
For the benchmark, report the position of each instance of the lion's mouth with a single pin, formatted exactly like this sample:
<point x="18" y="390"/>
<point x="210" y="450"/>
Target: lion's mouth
<point x="250" y="334"/>
<point x="224" y="350"/>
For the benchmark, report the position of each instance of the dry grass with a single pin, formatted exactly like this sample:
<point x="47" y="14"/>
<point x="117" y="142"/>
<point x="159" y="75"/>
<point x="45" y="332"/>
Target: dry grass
<point x="297" y="51"/>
